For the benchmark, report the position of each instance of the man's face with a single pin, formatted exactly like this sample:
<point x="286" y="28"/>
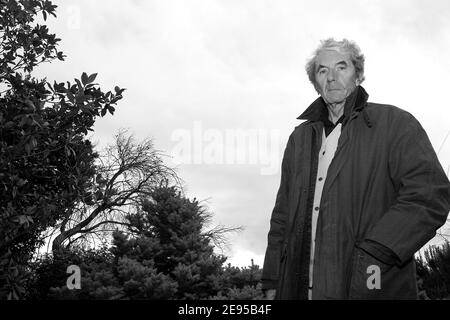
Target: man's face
<point x="335" y="76"/>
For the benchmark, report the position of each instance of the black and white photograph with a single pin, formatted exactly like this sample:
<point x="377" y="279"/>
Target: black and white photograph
<point x="235" y="153"/>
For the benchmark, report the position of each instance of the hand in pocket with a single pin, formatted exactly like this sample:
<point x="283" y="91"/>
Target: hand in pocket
<point x="367" y="276"/>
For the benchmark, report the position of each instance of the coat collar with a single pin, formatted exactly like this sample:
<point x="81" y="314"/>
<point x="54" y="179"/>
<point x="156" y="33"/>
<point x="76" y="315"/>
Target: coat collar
<point x="355" y="102"/>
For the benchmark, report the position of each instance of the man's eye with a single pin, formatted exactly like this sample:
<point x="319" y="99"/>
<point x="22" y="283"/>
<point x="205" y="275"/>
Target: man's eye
<point x="322" y="71"/>
<point x="340" y="68"/>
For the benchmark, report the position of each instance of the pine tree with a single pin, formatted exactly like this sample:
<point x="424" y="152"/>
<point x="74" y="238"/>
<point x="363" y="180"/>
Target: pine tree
<point x="434" y="271"/>
<point x="165" y="253"/>
<point x="170" y="233"/>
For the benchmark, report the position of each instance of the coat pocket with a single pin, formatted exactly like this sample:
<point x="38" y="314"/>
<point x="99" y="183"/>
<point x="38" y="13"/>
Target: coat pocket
<point x="366" y="276"/>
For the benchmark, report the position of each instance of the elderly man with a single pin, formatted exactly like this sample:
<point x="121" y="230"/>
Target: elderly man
<point x="361" y="191"/>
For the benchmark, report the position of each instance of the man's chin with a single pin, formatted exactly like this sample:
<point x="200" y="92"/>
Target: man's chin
<point x="334" y="100"/>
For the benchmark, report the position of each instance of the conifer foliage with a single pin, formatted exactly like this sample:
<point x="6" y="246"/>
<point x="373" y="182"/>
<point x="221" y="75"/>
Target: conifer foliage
<point x="165" y="253"/>
<point x="433" y="269"/>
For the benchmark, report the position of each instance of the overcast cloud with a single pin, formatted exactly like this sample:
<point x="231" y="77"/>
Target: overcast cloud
<point x="202" y="69"/>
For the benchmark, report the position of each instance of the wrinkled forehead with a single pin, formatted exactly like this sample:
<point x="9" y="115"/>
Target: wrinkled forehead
<point x="332" y="56"/>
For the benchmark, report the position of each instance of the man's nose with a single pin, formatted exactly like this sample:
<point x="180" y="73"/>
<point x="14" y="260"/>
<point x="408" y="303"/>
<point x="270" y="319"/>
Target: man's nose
<point x="331" y="75"/>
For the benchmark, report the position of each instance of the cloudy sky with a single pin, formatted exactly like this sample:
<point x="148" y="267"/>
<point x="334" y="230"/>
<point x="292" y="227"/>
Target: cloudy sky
<point x="218" y="84"/>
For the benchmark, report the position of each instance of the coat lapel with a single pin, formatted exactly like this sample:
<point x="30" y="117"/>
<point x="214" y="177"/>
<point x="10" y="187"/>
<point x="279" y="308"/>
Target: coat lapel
<point x="312" y="139"/>
<point x="341" y="154"/>
<point x="340" y="157"/>
<point x="312" y="113"/>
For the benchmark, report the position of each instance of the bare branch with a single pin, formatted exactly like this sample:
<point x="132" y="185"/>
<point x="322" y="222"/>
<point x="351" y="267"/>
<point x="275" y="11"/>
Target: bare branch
<point x="218" y="235"/>
<point x="127" y="171"/>
<point x="105" y="222"/>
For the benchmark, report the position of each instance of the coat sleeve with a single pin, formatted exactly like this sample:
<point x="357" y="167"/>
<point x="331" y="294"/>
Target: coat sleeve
<point x="423" y="197"/>
<point x="278" y="220"/>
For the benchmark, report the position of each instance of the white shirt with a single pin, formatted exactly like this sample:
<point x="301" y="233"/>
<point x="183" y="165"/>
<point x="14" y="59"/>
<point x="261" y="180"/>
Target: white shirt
<point x="326" y="154"/>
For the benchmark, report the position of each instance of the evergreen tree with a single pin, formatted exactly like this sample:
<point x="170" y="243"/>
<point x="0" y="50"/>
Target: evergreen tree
<point x="434" y="271"/>
<point x="166" y="253"/>
<point x="170" y="226"/>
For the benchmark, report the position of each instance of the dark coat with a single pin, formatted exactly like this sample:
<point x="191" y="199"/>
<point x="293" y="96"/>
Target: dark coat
<point x="385" y="184"/>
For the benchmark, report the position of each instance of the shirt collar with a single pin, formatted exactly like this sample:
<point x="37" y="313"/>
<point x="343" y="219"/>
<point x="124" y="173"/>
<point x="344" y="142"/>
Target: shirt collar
<point x="318" y="110"/>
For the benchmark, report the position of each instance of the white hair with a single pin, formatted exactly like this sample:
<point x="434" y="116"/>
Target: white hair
<point x="351" y="47"/>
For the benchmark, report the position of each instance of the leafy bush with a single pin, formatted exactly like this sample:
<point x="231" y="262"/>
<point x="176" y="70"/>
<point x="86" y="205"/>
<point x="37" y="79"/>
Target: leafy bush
<point x="46" y="162"/>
